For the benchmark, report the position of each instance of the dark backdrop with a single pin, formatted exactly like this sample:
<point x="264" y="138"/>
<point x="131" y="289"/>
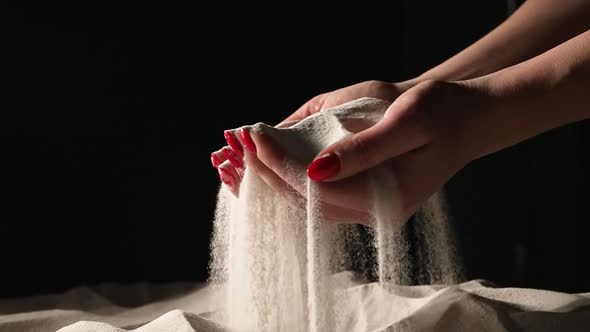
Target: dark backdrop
<point x="110" y="112"/>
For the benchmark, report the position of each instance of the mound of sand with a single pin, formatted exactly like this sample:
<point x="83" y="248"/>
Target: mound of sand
<point x="471" y="306"/>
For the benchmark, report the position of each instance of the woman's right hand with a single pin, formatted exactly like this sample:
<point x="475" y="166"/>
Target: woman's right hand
<point x="428" y="134"/>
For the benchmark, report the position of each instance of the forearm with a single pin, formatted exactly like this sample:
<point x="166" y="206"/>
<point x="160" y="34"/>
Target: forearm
<point x="537" y="26"/>
<point x="548" y="91"/>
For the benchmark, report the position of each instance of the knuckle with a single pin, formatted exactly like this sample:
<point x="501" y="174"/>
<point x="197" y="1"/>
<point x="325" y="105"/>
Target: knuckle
<point x="430" y="84"/>
<point x="314" y="105"/>
<point x="380" y="89"/>
<point x="309" y="108"/>
<point x="376" y="83"/>
<point x="362" y="151"/>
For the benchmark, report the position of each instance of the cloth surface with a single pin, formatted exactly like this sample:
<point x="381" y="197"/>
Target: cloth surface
<point x="472" y="306"/>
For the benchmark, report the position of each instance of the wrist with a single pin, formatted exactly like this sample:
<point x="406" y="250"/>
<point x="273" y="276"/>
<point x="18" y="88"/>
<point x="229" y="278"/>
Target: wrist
<point x="478" y="122"/>
<point x="520" y="102"/>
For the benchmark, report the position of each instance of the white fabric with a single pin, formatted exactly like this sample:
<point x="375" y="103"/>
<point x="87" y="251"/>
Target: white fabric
<point x="471" y="306"/>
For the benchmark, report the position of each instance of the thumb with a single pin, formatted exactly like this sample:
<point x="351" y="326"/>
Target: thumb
<point x="387" y="139"/>
<point x="311" y="107"/>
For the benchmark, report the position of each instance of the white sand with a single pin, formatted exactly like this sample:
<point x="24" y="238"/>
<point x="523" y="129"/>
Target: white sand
<point x="471" y="306"/>
<point x="283" y="267"/>
<point x="277" y="255"/>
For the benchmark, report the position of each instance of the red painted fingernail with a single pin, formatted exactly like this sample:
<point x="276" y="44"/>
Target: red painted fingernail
<point x="232" y="140"/>
<point x="215" y="160"/>
<point x="247" y="139"/>
<point x="324" y="167"/>
<point x="233" y="158"/>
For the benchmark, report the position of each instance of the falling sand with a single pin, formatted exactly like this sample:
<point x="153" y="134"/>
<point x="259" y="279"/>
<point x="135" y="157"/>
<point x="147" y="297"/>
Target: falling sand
<point x="288" y="265"/>
<point x="287" y="262"/>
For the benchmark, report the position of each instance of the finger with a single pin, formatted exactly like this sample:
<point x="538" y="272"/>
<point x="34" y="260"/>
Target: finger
<point x="270" y="165"/>
<point x="230" y="177"/>
<point x="313" y="106"/>
<point x="234" y="143"/>
<point x="330" y="211"/>
<point x="247" y="141"/>
<point x="352" y="192"/>
<point x="277" y="160"/>
<point x="391" y="137"/>
<point x="234" y="159"/>
<point x="275" y="182"/>
<point x="218" y="157"/>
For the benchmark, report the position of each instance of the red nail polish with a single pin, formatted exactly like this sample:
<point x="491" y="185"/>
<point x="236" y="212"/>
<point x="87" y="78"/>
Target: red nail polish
<point x="247" y="139"/>
<point x="215" y="160"/>
<point x="232" y="140"/>
<point x="233" y="158"/>
<point x="324" y="167"/>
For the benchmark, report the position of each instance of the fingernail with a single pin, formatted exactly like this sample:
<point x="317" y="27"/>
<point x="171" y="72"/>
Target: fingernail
<point x="215" y="160"/>
<point x="233" y="158"/>
<point x="324" y="167"/>
<point x="247" y="139"/>
<point x="232" y="140"/>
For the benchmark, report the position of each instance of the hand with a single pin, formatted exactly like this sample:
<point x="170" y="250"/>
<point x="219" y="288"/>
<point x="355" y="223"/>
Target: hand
<point x="376" y="89"/>
<point x="422" y="135"/>
<point x="229" y="159"/>
<point x="434" y="128"/>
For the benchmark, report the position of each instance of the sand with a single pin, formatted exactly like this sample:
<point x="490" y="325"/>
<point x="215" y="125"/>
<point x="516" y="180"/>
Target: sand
<point x="281" y="265"/>
<point x="472" y="306"/>
<point x="277" y="254"/>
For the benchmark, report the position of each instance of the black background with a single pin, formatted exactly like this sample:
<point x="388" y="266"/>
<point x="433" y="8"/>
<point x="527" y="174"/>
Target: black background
<point x="110" y="111"/>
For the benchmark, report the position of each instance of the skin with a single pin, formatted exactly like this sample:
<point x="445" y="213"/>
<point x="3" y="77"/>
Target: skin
<point x="472" y="105"/>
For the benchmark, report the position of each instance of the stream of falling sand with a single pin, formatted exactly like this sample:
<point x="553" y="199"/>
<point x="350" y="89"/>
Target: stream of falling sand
<point x="282" y="265"/>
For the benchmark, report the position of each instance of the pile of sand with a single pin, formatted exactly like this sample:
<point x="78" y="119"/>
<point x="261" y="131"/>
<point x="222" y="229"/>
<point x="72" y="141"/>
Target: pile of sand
<point x="471" y="306"/>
